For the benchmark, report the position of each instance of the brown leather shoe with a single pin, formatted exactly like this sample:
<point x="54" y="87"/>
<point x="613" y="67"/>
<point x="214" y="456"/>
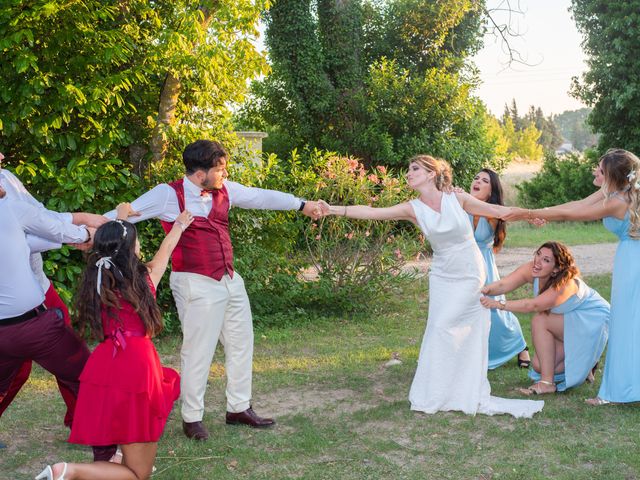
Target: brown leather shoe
<point x="249" y="417"/>
<point x="195" y="430"/>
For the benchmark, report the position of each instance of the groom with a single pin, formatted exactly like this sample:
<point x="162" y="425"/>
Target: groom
<point x="210" y="296"/>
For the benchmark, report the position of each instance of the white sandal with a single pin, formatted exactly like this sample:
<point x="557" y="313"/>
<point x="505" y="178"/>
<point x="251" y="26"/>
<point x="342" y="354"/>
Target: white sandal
<point x="597" y="401"/>
<point x="47" y="473"/>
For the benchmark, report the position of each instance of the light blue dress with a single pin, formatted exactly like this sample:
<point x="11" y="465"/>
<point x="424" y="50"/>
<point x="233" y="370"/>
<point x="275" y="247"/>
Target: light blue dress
<point x="505" y="336"/>
<point x="586" y="327"/>
<point x="621" y="379"/>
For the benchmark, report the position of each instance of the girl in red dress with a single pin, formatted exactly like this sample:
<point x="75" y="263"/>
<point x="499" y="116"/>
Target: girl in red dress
<point x="125" y="393"/>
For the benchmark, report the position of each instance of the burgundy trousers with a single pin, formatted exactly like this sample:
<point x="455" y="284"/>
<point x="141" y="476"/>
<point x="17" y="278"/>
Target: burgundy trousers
<point x="52" y="300"/>
<point x="46" y="340"/>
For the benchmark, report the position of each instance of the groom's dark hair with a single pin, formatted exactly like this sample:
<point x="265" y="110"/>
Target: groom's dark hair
<point x="202" y="155"/>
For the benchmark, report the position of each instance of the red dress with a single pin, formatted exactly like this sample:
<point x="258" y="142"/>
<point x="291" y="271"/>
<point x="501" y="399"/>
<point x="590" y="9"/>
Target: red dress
<point x="125" y="393"/>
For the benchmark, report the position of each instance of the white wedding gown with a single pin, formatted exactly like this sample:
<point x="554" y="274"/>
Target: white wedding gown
<point x="452" y="366"/>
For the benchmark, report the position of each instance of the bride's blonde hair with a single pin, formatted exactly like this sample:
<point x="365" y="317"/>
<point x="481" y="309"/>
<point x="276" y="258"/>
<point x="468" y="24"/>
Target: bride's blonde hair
<point x="444" y="177"/>
<point x="621" y="170"/>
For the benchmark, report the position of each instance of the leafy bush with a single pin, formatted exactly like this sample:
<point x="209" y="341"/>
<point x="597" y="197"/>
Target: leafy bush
<point x="562" y="179"/>
<point x="357" y="261"/>
<point x="294" y="266"/>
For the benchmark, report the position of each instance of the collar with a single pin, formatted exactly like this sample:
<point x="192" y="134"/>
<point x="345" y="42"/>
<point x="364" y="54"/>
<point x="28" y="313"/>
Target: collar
<point x="191" y="187"/>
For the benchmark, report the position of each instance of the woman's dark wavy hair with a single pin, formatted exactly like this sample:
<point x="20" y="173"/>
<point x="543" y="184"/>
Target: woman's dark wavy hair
<point x="565" y="263"/>
<point x="496" y="198"/>
<point x="126" y="280"/>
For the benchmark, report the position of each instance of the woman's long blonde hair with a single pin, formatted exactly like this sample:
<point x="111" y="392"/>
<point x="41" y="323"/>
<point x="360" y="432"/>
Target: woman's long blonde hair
<point x="444" y="177"/>
<point x="621" y="170"/>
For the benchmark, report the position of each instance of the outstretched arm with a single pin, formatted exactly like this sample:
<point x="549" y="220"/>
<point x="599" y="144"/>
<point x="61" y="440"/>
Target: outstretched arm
<point x="474" y="206"/>
<point x="515" y="279"/>
<point x="595" y="197"/>
<point x="158" y="265"/>
<point x="402" y="211"/>
<point x="545" y="301"/>
<point x="585" y="212"/>
<point x="89" y="219"/>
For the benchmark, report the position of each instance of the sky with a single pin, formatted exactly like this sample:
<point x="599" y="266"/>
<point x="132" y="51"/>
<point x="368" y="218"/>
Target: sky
<point x="550" y="43"/>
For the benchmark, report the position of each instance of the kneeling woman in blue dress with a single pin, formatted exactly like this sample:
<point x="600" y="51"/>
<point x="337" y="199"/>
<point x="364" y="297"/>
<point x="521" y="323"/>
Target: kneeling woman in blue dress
<point x="570" y="326"/>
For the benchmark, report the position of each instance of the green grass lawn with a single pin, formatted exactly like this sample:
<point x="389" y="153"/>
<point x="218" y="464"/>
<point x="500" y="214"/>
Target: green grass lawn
<point x="521" y="234"/>
<point x="342" y="415"/>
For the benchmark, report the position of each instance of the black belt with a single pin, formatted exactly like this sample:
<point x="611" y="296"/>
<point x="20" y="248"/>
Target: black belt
<point x="28" y="315"/>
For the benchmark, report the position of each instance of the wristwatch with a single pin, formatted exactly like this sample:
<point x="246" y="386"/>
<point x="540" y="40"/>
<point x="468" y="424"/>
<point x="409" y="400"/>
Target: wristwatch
<point x="503" y="304"/>
<point x="303" y="202"/>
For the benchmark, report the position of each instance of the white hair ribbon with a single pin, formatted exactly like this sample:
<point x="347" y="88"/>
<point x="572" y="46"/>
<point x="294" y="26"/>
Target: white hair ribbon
<point x="107" y="264"/>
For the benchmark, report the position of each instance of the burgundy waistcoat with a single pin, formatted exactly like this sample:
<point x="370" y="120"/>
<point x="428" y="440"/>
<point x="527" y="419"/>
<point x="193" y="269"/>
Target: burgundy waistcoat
<point x="205" y="246"/>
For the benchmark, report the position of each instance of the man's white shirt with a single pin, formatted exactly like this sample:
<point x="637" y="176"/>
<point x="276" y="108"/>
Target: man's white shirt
<point x="20" y="290"/>
<point x="15" y="190"/>
<point x="162" y="202"/>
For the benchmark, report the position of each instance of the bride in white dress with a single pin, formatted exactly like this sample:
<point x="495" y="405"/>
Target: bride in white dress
<point x="452" y="366"/>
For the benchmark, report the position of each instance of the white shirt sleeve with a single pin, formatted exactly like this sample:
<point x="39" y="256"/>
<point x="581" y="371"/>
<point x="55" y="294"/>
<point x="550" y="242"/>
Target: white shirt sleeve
<point x="39" y="222"/>
<point x="16" y="188"/>
<point x="159" y="202"/>
<point x="260" y="198"/>
<point x="39" y="244"/>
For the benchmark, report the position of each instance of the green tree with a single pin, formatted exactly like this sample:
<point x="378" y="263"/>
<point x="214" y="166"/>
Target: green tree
<point x="562" y="179"/>
<point x="84" y="80"/>
<point x="526" y="145"/>
<point x="420" y="34"/>
<point x="82" y="83"/>
<point x="575" y="129"/>
<point x="497" y="134"/>
<point x="550" y="136"/>
<point x="611" y="85"/>
<point x="331" y="85"/>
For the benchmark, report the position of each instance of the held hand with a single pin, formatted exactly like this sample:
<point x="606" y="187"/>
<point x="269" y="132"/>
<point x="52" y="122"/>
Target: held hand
<point x="93" y="220"/>
<point x="537" y="222"/>
<point x="184" y="219"/>
<point x="486" y="290"/>
<point x="515" y="214"/>
<point x="313" y="209"/>
<point x="124" y="210"/>
<point x="453" y="189"/>
<point x="325" y="208"/>
<point x="86" y="246"/>
<point x="489" y="302"/>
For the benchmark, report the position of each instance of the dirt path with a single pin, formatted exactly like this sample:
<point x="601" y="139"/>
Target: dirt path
<point x="593" y="259"/>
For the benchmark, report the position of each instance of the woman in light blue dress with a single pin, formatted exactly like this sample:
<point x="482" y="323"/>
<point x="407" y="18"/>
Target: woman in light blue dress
<point x="505" y="337"/>
<point x="570" y="326"/>
<point x="617" y="203"/>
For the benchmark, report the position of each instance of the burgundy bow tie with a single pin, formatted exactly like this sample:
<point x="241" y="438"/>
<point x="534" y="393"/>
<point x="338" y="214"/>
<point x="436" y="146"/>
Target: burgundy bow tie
<point x="204" y="193"/>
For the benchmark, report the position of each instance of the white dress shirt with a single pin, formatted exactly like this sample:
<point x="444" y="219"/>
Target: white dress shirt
<point x="16" y="190"/>
<point x="162" y="202"/>
<point x="20" y="290"/>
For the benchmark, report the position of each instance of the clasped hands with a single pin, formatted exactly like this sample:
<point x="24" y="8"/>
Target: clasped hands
<point x="316" y="209"/>
<point x="516" y="213"/>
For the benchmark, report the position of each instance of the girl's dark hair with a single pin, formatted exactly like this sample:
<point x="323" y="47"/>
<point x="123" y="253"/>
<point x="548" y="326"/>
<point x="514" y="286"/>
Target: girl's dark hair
<point x="127" y="279"/>
<point x="565" y="263"/>
<point x="496" y="198"/>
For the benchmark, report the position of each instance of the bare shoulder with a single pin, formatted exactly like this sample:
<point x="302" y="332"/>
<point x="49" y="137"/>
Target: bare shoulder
<point x="461" y="196"/>
<point x="407" y="210"/>
<point x="617" y="204"/>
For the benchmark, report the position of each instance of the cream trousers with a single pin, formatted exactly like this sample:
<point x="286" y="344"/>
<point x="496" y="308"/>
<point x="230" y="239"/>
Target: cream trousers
<point x="210" y="310"/>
